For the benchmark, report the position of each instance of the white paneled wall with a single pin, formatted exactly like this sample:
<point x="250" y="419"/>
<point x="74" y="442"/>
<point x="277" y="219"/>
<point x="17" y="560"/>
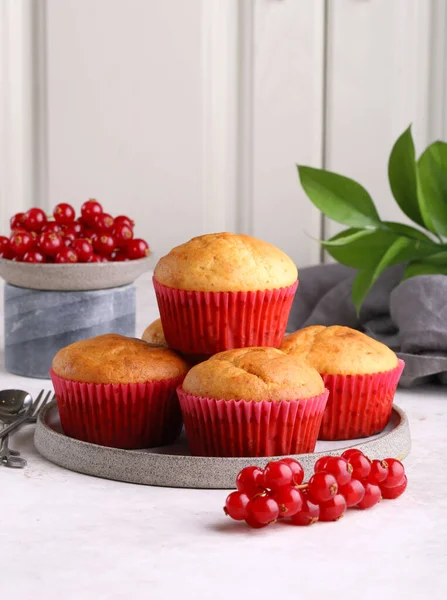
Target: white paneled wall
<point x="125" y="111"/>
<point x="287" y="106"/>
<point x="378" y="83"/>
<point x="190" y="116"/>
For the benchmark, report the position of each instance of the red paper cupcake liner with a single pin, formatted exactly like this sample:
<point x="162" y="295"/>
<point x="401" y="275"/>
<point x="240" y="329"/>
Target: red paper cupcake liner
<point x="358" y="405"/>
<point x="135" y="415"/>
<point x="248" y="428"/>
<point x="204" y="323"/>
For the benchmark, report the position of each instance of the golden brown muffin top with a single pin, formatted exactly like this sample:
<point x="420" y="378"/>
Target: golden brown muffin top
<point x="339" y="350"/>
<point x="154" y="334"/>
<point x="226" y="262"/>
<point x="253" y="374"/>
<point x="113" y="358"/>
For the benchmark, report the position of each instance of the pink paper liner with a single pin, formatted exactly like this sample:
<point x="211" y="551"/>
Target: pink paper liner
<point x="358" y="405"/>
<point x="204" y="323"/>
<point x="248" y="428"/>
<point x="135" y="415"/>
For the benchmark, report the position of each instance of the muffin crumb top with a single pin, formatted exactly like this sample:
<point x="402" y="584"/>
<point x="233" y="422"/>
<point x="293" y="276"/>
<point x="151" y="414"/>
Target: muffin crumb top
<point x="226" y="262"/>
<point x="153" y="334"/>
<point x="254" y="374"/>
<point x="339" y="350"/>
<point x="113" y="358"/>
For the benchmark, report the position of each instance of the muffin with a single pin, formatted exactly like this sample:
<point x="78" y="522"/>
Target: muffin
<point x="117" y="391"/>
<point x="153" y="334"/>
<point x="252" y="402"/>
<point x="222" y="291"/>
<point x="360" y="373"/>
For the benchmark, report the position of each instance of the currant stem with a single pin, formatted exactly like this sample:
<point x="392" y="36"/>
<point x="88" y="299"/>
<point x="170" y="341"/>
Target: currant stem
<point x="303" y="486"/>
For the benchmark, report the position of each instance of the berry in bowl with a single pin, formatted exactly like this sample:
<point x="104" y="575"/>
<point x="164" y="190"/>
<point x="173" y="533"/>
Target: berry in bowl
<point x="100" y="249"/>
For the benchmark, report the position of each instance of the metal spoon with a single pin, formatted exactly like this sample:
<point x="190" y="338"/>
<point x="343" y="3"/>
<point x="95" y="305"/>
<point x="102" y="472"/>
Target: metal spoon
<point x="13" y="404"/>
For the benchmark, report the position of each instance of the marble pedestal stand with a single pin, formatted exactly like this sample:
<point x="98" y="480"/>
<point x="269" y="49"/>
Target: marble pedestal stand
<point x="39" y="323"/>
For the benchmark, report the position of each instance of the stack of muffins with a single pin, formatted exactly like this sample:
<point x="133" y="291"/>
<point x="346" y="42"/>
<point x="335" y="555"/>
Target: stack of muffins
<point x="224" y="302"/>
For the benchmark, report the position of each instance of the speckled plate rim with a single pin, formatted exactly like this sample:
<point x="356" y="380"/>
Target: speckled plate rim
<point x="77" y="277"/>
<point x="184" y="471"/>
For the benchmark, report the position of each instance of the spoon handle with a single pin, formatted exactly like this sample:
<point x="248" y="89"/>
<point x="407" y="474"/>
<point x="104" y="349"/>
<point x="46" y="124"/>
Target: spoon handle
<point x="7" y="430"/>
<point x="14" y="462"/>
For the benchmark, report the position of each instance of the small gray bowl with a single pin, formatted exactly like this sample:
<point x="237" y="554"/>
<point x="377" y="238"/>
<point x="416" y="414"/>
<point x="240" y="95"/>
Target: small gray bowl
<point x="77" y="277"/>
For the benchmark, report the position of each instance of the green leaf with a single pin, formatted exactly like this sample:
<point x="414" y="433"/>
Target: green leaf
<point x="439" y="258"/>
<point x="363" y="252"/>
<point x="432" y="172"/>
<point x="395" y="254"/>
<point x="366" y="278"/>
<point x="367" y="251"/>
<point x="407" y="231"/>
<point x="339" y="198"/>
<point x="423" y="268"/>
<point x="346" y="237"/>
<point x="361" y="286"/>
<point x="403" y="177"/>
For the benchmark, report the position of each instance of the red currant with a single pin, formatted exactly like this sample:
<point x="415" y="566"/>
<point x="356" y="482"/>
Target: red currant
<point x="277" y="474"/>
<point x="321" y="464"/>
<point x="396" y="472"/>
<point x="34" y="256"/>
<point x="322" y="487"/>
<point x="338" y="467"/>
<point x="249" y="481"/>
<point x="104" y="222"/>
<point x="253" y="523"/>
<point x="333" y="509"/>
<point x="91" y="235"/>
<point x="22" y="230"/>
<point x="21" y="243"/>
<point x="371" y="498"/>
<point x="353" y="491"/>
<point x="6" y="250"/>
<point x="5" y="245"/>
<point x="361" y="466"/>
<point x="64" y="214"/>
<point x="69" y="238"/>
<point x="50" y="243"/>
<point x="84" y="249"/>
<point x="66" y="255"/>
<point x="35" y="219"/>
<point x="104" y="244"/>
<point x="297" y="469"/>
<point x="122" y="234"/>
<point x="289" y="499"/>
<point x="236" y="506"/>
<point x="121" y="219"/>
<point x="18" y="220"/>
<point x="119" y="256"/>
<point x="379" y="471"/>
<point x="97" y="258"/>
<point x="263" y="509"/>
<point x="308" y="514"/>
<point x="52" y="227"/>
<point x="137" y="249"/>
<point x="390" y="493"/>
<point x="89" y="211"/>
<point x="76" y="227"/>
<point x="350" y="452"/>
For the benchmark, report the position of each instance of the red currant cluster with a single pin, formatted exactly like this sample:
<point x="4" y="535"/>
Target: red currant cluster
<point x="339" y="482"/>
<point x="93" y="237"/>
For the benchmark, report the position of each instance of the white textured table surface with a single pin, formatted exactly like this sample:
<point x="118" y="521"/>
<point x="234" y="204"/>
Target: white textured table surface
<point x="69" y="536"/>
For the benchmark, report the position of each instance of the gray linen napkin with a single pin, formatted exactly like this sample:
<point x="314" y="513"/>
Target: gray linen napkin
<point x="409" y="316"/>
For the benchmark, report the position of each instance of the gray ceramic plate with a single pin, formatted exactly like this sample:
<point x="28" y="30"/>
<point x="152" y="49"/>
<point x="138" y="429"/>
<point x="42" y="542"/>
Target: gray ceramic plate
<point x="172" y="466"/>
<point x="81" y="276"/>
